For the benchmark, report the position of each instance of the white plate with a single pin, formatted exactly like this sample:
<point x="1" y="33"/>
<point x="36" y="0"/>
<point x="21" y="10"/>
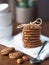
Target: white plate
<point x="17" y="43"/>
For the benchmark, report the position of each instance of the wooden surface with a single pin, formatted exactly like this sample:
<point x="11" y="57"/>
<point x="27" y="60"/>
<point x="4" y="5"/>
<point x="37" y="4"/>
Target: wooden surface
<point x="4" y="60"/>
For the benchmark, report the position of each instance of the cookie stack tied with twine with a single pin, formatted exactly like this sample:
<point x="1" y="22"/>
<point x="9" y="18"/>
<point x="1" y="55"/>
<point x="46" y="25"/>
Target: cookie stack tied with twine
<point x="31" y="33"/>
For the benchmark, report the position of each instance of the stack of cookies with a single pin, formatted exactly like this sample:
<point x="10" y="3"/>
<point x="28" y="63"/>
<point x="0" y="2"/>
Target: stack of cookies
<point x="31" y="35"/>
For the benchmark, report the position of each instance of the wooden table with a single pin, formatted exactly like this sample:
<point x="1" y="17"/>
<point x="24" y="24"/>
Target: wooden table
<point x="4" y="60"/>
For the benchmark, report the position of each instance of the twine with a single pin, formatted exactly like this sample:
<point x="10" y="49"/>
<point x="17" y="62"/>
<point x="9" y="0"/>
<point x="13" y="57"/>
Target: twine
<point x="37" y="22"/>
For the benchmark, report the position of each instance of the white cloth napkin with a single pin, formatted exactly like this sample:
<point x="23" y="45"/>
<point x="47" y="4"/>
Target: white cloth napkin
<point x="17" y="43"/>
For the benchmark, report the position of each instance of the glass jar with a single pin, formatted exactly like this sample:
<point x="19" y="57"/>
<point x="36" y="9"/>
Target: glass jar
<point x="11" y="6"/>
<point x="6" y="26"/>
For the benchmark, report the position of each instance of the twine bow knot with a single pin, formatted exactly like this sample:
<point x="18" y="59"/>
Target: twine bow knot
<point x="37" y="22"/>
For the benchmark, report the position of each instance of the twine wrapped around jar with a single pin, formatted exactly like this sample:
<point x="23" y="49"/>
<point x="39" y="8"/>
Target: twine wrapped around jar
<point x="31" y="33"/>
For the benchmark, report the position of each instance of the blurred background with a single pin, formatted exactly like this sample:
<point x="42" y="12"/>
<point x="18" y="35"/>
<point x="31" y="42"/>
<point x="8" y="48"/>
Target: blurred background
<point x="40" y="8"/>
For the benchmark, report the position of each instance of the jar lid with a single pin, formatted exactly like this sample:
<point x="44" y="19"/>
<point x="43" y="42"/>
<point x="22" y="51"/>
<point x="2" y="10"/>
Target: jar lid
<point x="4" y="8"/>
